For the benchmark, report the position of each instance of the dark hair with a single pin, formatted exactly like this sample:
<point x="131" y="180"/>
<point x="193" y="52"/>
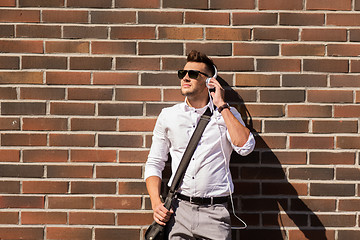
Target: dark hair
<point x="195" y="56"/>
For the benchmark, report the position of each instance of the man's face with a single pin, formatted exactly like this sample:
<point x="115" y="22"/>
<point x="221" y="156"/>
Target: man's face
<point x="193" y="87"/>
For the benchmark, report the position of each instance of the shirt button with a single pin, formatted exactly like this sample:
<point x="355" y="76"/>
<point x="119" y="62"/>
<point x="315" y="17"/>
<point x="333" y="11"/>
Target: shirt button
<point x="193" y="177"/>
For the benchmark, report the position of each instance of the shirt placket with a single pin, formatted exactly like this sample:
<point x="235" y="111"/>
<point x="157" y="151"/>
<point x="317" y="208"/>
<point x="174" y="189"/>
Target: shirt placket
<point x="194" y="120"/>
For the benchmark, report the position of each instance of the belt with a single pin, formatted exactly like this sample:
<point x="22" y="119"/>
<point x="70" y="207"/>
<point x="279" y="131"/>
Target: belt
<point x="202" y="201"/>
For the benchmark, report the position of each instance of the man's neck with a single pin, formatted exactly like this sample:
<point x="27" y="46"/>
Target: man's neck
<point x="197" y="102"/>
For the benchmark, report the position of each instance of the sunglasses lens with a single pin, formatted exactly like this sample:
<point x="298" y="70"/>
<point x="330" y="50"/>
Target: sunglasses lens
<point x="193" y="74"/>
<point x="181" y="74"/>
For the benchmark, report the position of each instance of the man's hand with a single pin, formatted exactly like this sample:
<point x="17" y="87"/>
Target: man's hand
<point x="219" y="94"/>
<point x="161" y="214"/>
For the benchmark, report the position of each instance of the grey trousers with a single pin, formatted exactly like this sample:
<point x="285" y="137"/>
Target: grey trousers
<point x="193" y="222"/>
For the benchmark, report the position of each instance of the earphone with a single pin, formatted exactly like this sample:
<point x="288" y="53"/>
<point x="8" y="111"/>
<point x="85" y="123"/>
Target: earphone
<point x="208" y="79"/>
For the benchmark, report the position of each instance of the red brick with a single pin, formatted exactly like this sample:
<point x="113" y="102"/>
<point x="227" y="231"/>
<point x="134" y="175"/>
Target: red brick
<point x="201" y="4"/>
<point x="252" y="80"/>
<point x="44" y="62"/>
<point x="137" y="63"/>
<point x="278" y="65"/>
<point x="137" y="4"/>
<point x="60" y="78"/>
<point x="9" y="218"/>
<point x="347" y="142"/>
<point x="266" y="110"/>
<point x="254" y="18"/>
<point x="121" y="109"/>
<point x="68" y="16"/>
<point x="347" y="174"/>
<point x="132" y="188"/>
<point x="217" y="49"/>
<point x="339" y="19"/>
<point x="93" y="187"/>
<point x="70" y="202"/>
<point x="33" y="155"/>
<point x="293" y="220"/>
<point x="111" y="140"/>
<point x="116" y="233"/>
<point x="44" y="124"/>
<point x="288" y="158"/>
<point x="328" y="5"/>
<point x="136" y="125"/>
<point x="290" y="34"/>
<point x="127" y="94"/>
<point x="78" y="140"/>
<point x="9" y="155"/>
<point x="11" y="15"/>
<point x="309" y="111"/>
<point x="313" y="142"/>
<point x="323" y="205"/>
<point x="320" y="34"/>
<point x="92" y="218"/>
<point x="8" y="3"/>
<point x="132" y="156"/>
<point x="207" y="18"/>
<point x="330" y="96"/>
<point x="335" y="220"/>
<point x="174" y="63"/>
<point x="348" y="50"/>
<point x="7" y="62"/>
<point x="38" y="31"/>
<point x="93" y="155"/>
<point x="181" y="33"/>
<point x="304" y="80"/>
<point x="23" y="108"/>
<point x="349" y="204"/>
<point x="89" y="93"/>
<point x="280" y="5"/>
<point x="41" y="3"/>
<point x="349" y="111"/>
<point x="311" y="173"/>
<point x="68" y="233"/>
<point x="22" y="202"/>
<point x="69" y="108"/>
<point x="354" y="35"/>
<point x="134" y="218"/>
<point x="269" y="173"/>
<point x="282" y="96"/>
<point x="133" y="32"/>
<point x="54" y="171"/>
<point x="342" y="158"/>
<point x="21" y="46"/>
<point x="287" y="126"/>
<point x="330" y="189"/>
<point x="231" y="34"/>
<point x="173" y="95"/>
<point x="159" y="79"/>
<point x="348" y="234"/>
<point x="302" y="50"/>
<point x="40" y="218"/>
<point x="20" y="232"/>
<point x="153" y="48"/>
<point x="256" y="49"/>
<point x="110" y="78"/>
<point x="355" y="66"/>
<point x="302" y="19"/>
<point x="7" y="31"/>
<point x="117" y="202"/>
<point x="113" y="17"/>
<point x="273" y="142"/>
<point x="67" y="47"/>
<point x="9" y="124"/>
<point x="9" y="187"/>
<point x="44" y="93"/>
<point x="21" y="77"/>
<point x="162" y="17"/>
<point x="90" y="63"/>
<point x="326" y="65"/>
<point x="114" y="47"/>
<point x="118" y="172"/>
<point x="333" y="126"/>
<point x="89" y="3"/>
<point x="47" y="187"/>
<point x="81" y="124"/>
<point x="235" y="64"/>
<point x="23" y="139"/>
<point x="82" y="32"/>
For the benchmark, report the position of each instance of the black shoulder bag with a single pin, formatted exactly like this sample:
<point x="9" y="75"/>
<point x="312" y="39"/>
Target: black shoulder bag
<point x="156" y="231"/>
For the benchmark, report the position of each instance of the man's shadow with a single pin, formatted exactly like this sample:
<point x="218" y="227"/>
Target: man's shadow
<point x="263" y="197"/>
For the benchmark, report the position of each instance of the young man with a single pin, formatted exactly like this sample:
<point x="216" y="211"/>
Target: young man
<point x="199" y="210"/>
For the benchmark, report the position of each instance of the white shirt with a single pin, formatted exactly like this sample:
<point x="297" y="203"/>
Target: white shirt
<point x="208" y="173"/>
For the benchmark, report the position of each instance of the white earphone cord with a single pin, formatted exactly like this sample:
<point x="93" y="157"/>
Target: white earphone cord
<point x="227" y="172"/>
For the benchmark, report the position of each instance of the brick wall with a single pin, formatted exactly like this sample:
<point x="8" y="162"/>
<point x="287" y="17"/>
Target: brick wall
<point x="82" y="82"/>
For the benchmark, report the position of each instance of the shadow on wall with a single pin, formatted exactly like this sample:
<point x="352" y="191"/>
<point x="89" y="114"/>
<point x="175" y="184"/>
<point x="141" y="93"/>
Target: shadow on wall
<point x="263" y="197"/>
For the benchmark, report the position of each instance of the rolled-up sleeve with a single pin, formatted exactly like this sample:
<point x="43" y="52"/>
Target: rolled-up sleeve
<point x="249" y="146"/>
<point x="159" y="149"/>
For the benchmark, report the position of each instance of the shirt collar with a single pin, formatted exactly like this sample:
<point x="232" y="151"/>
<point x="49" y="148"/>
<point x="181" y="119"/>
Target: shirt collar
<point x="198" y="110"/>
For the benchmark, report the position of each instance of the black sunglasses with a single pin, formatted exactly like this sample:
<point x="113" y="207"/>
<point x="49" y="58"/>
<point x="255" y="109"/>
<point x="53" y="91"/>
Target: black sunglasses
<point x="192" y="74"/>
